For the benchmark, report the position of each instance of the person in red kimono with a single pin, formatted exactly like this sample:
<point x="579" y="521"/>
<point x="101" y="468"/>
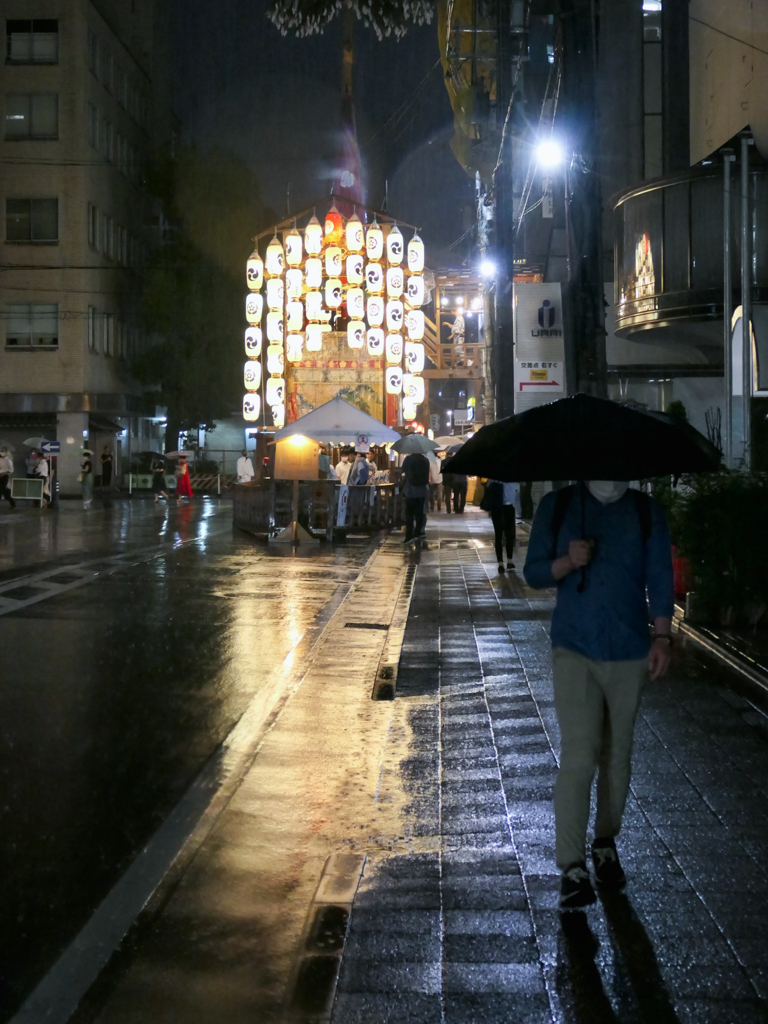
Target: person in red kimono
<point x="183" y="486"/>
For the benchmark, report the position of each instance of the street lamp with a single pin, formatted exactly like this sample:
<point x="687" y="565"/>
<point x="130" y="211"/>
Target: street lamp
<point x="549" y="153"/>
<point x="487" y="268"/>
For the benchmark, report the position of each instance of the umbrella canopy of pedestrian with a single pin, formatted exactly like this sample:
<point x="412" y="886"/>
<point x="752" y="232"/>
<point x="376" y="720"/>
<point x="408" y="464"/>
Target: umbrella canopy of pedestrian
<point x="585" y="438"/>
<point x="34" y="442"/>
<point x="338" y="422"/>
<point x="414" y="443"/>
<point x="179" y="455"/>
<point x="6" y="444"/>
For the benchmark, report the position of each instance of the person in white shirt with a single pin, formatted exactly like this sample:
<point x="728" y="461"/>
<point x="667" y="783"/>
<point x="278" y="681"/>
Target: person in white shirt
<point x="6" y="474"/>
<point x="42" y="470"/>
<point x="372" y="467"/>
<point x="435" y="482"/>
<point x="245" y="472"/>
<point x="343" y="468"/>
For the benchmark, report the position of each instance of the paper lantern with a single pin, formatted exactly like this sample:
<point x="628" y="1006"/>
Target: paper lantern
<point x="314" y="337"/>
<point x="251" y="407"/>
<point x="375" y="309"/>
<point x="354" y="233"/>
<point x="415" y="356"/>
<point x="254" y="307"/>
<point x="334" y="226"/>
<point x="415" y="290"/>
<point x="252" y="375"/>
<point x="394" y="378"/>
<point x="314" y="305"/>
<point x="355" y="303"/>
<point x="313" y="237"/>
<point x="375" y="340"/>
<point x="413" y="387"/>
<point x="253" y="339"/>
<point x="394" y="315"/>
<point x="275" y="258"/>
<point x="374" y="278"/>
<point x="275" y="390"/>
<point x="333" y="262"/>
<point x="294" y="283"/>
<point x="355" y="333"/>
<point x="275" y="328"/>
<point x="355" y="269"/>
<point x="333" y="293"/>
<point x="275" y="359"/>
<point x="254" y="271"/>
<point x="293" y="248"/>
<point x="395" y="282"/>
<point x="275" y="293"/>
<point x="394" y="348"/>
<point x="409" y="410"/>
<point x="415" y="255"/>
<point x="414" y="321"/>
<point x="313" y="272"/>
<point x="395" y="245"/>
<point x="278" y="415"/>
<point x="294" y="344"/>
<point x="294" y="316"/>
<point x="374" y="242"/>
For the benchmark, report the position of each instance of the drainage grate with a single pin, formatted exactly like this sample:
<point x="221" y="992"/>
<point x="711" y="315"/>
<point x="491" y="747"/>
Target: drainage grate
<point x="366" y="625"/>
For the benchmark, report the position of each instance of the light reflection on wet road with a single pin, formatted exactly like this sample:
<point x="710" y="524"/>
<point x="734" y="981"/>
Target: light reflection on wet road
<point x="115" y="694"/>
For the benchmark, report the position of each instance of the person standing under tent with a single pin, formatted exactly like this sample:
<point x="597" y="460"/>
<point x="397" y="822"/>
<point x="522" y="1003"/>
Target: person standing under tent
<point x="245" y="471"/>
<point x="343" y="467"/>
<point x="183" y="484"/>
<point x="107" y="463"/>
<point x="86" y="478"/>
<point x="6" y="475"/>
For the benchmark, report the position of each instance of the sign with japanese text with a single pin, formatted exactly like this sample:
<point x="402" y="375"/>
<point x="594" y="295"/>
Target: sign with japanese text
<point x="539" y="344"/>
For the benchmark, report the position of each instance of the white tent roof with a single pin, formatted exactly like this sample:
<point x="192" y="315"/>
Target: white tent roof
<point x="339" y="422"/>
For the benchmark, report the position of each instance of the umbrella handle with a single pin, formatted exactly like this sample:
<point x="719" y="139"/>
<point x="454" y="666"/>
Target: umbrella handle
<point x="583" y="583"/>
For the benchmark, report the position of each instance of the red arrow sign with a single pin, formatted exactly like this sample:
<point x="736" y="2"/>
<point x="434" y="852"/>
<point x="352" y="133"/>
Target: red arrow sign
<point x="538" y="384"/>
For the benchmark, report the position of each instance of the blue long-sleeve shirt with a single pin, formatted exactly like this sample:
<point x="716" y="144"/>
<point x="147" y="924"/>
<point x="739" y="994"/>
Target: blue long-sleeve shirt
<point x="609" y="620"/>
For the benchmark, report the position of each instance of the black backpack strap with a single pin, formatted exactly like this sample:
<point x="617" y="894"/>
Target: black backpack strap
<point x="562" y="501"/>
<point x="643" y="506"/>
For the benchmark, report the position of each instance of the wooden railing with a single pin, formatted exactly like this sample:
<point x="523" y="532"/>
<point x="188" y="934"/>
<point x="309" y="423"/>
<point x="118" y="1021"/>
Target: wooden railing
<point x="431" y="341"/>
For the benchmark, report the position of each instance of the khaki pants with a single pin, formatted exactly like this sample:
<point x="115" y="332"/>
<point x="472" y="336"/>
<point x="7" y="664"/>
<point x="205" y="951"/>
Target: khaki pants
<point x="596" y="704"/>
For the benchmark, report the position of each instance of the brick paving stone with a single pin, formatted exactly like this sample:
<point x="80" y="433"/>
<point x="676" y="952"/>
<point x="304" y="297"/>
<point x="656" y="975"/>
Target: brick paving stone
<point x="486" y="944"/>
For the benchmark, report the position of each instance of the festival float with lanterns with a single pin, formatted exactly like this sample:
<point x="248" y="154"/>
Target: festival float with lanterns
<point x="340" y="304"/>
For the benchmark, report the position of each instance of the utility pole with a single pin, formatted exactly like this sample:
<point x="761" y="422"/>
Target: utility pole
<point x="746" y="300"/>
<point x="728" y="159"/>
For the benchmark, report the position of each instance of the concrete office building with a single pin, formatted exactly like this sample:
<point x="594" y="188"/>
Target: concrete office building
<point x="86" y="101"/>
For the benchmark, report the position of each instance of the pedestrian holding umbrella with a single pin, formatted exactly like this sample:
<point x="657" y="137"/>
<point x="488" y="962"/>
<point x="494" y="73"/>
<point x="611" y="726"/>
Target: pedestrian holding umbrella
<point x="86" y="478"/>
<point x="604" y="646"/>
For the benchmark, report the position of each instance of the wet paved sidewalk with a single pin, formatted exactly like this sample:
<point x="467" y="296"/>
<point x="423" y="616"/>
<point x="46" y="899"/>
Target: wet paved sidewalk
<point x="442" y="799"/>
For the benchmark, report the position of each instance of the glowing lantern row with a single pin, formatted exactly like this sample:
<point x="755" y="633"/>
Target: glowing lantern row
<point x="354" y="234"/>
<point x="275" y="258"/>
<point x="415" y="356"/>
<point x="251" y="407"/>
<point x="254" y="272"/>
<point x="252" y="375"/>
<point x="415" y="255"/>
<point x="313" y="237"/>
<point x="253" y="341"/>
<point x="293" y="248"/>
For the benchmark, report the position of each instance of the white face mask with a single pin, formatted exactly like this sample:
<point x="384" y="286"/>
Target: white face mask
<point x="607" y="491"/>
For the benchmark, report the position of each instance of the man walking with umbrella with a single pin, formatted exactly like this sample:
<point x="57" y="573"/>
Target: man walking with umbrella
<point x="603" y="546"/>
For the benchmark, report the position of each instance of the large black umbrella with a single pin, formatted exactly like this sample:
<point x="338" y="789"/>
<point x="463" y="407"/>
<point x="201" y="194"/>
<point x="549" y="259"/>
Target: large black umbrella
<point x="584" y="438"/>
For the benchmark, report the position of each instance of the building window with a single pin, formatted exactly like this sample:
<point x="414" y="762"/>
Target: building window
<point x="33" y="42"/>
<point x="93" y="226"/>
<point x="107" y="69"/>
<point x="120" y="85"/>
<point x="109" y="334"/>
<point x="652" y="89"/>
<point x="93" y="126"/>
<point x="32" y="220"/>
<point x="32" y="117"/>
<point x="93" y="339"/>
<point x="32" y="326"/>
<point x="107" y="139"/>
<point x="107" y="235"/>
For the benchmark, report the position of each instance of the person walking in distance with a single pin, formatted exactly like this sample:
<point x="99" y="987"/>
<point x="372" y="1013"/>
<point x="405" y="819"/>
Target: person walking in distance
<point x="86" y="478"/>
<point x="107" y="464"/>
<point x="158" y="482"/>
<point x="6" y="475"/>
<point x="43" y="472"/>
<point x="500" y="502"/>
<point x="183" y="484"/>
<point x="459" y="488"/>
<point x="31" y="465"/>
<point x="415" y="470"/>
<point x="604" y="547"/>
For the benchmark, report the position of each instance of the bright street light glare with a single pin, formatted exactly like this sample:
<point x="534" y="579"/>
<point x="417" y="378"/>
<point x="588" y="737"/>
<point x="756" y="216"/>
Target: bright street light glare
<point x="549" y="153"/>
<point x="487" y="268"/>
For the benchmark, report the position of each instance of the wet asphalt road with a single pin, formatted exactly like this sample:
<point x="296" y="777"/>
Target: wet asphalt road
<point x="120" y="681"/>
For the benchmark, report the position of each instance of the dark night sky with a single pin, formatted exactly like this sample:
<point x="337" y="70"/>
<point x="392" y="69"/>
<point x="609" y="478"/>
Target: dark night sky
<point x="241" y="86"/>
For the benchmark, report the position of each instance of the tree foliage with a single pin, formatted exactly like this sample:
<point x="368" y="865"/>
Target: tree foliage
<point x="385" y="17"/>
<point x="194" y="285"/>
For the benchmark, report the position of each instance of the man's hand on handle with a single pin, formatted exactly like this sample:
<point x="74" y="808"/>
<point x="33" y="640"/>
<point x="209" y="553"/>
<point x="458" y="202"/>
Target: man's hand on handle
<point x="660" y="653"/>
<point x="579" y="555"/>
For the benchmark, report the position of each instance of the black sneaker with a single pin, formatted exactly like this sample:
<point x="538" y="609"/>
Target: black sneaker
<point x="575" y="888"/>
<point x="609" y="873"/>
<point x="510" y="565"/>
<point x="502" y="570"/>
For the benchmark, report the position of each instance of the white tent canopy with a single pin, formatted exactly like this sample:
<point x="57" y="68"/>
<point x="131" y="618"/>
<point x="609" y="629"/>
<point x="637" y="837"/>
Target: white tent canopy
<point x="339" y="422"/>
